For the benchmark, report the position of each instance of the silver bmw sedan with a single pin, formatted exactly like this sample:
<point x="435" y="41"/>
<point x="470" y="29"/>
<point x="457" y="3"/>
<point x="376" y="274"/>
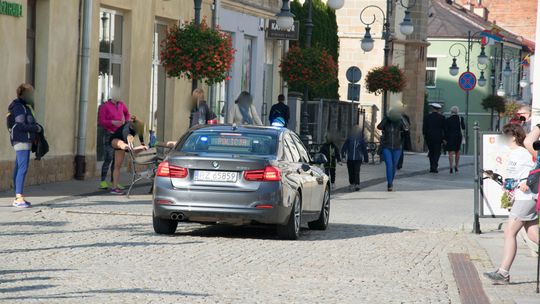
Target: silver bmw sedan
<point x="240" y="176"/>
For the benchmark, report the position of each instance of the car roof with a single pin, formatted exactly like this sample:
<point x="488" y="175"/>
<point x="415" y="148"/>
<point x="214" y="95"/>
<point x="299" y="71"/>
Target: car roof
<point x="241" y="128"/>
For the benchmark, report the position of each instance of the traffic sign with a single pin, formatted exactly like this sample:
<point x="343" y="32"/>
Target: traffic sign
<point x="354" y="74"/>
<point x="467" y="81"/>
<point x="353" y="92"/>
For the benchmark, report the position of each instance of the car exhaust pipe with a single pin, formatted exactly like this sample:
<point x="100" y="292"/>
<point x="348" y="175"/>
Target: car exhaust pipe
<point x="177" y="216"/>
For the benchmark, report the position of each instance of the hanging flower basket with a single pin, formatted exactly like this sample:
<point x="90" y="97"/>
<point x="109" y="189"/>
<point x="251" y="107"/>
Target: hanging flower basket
<point x="310" y="67"/>
<point x="197" y="52"/>
<point x="389" y="78"/>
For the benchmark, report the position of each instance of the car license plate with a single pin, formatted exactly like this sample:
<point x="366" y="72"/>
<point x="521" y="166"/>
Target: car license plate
<point x="216" y="176"/>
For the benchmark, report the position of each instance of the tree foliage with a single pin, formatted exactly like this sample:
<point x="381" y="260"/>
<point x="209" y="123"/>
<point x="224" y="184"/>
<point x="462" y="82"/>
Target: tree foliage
<point x="494" y="102"/>
<point x="324" y="37"/>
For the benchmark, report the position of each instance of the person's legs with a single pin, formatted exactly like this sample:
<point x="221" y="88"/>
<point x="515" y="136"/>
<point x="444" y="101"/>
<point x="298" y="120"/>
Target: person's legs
<point x="451" y="156"/>
<point x="333" y="176"/>
<point x="430" y="155"/>
<point x="400" y="161"/>
<point x="510" y="244"/>
<point x="532" y="230"/>
<point x="389" y="163"/>
<point x="357" y="164"/>
<point x="108" y="158"/>
<point x="350" y="170"/>
<point x="457" y="160"/>
<point x="119" y="155"/>
<point x="436" y="155"/>
<point x="21" y="168"/>
<point x="396" y="154"/>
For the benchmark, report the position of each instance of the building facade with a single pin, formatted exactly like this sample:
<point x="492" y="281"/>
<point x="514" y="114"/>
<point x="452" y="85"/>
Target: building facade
<point x="44" y="49"/>
<point x="408" y="52"/>
<point x="449" y="26"/>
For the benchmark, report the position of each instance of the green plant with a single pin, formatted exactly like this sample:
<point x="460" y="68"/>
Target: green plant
<point x="311" y="67"/>
<point x="197" y="52"/>
<point x="511" y="109"/>
<point x="494" y="102"/>
<point x="386" y="78"/>
<point x="324" y="36"/>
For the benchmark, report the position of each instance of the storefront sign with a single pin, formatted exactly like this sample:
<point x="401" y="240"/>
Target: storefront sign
<point x="274" y="32"/>
<point x="11" y="9"/>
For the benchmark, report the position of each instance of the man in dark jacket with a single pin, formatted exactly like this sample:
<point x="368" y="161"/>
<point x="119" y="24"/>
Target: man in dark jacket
<point x="280" y="109"/>
<point x="433" y="131"/>
<point x="355" y="151"/>
<point x="331" y="151"/>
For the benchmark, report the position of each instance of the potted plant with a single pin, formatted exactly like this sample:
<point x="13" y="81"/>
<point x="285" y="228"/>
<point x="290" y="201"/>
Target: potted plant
<point x="386" y="78"/>
<point x="311" y="67"/>
<point x="197" y="52"/>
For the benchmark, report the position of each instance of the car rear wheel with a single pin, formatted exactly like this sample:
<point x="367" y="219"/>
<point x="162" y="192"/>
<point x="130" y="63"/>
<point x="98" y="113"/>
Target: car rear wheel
<point x="163" y="226"/>
<point x="291" y="230"/>
<point x="322" y="222"/>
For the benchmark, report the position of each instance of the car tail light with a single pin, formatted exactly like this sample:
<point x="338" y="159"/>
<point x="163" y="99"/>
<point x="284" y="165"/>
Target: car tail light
<point x="269" y="174"/>
<point x="166" y="170"/>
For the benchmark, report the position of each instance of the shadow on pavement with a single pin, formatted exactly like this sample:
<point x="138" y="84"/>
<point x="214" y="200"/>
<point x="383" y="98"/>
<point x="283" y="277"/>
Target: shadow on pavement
<point x="335" y="231"/>
<point x="25" y="279"/>
<point x="35" y="223"/>
<point x="96" y="203"/>
<point x="96" y="245"/>
<point x="26" y="288"/>
<point x="13" y="271"/>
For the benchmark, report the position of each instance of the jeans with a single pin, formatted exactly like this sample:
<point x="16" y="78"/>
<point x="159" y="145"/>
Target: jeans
<point x="391" y="159"/>
<point x="353" y="166"/>
<point x="22" y="160"/>
<point x="108" y="161"/>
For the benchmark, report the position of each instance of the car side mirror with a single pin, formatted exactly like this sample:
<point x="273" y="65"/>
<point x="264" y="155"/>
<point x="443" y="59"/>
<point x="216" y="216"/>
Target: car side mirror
<point x="319" y="159"/>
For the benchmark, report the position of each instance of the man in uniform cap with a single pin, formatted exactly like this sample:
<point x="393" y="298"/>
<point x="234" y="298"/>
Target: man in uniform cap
<point x="433" y="131"/>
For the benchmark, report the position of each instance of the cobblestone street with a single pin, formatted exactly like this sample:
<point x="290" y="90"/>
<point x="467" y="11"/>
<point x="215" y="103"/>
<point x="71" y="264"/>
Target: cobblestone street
<point x="380" y="248"/>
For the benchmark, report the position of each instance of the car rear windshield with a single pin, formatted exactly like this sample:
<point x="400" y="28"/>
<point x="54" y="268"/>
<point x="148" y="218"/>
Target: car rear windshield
<point x="230" y="143"/>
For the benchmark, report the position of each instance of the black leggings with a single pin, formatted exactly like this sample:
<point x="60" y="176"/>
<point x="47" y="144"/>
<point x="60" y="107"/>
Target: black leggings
<point x="353" y="166"/>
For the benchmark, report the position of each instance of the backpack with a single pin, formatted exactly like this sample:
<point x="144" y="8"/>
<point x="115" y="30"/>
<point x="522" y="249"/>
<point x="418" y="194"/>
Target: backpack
<point x="10" y="120"/>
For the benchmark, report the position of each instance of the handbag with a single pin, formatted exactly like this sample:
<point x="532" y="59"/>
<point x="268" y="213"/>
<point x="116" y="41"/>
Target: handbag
<point x="533" y="180"/>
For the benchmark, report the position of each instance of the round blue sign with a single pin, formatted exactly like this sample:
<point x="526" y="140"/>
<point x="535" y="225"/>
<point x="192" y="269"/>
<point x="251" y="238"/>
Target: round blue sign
<point x="467" y="81"/>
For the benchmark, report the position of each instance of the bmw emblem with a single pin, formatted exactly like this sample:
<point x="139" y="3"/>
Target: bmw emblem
<point x="215" y="164"/>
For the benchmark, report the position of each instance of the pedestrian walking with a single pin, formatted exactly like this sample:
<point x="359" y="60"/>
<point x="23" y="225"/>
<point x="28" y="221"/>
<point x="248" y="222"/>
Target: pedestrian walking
<point x="111" y="115"/>
<point x="392" y="126"/>
<point x="333" y="157"/>
<point x="200" y="112"/>
<point x="523" y="212"/>
<point x="453" y="137"/>
<point x="406" y="144"/>
<point x="243" y="112"/>
<point x="354" y="150"/>
<point x="433" y="131"/>
<point x="120" y="141"/>
<point x="280" y="109"/>
<point x="23" y="128"/>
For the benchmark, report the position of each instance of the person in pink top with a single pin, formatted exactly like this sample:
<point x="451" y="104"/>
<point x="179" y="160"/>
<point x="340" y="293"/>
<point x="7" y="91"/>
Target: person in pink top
<point x="112" y="115"/>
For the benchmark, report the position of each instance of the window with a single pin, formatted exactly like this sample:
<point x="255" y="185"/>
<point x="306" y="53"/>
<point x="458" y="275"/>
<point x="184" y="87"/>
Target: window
<point x="31" y="42"/>
<point x="157" y="88"/>
<point x="230" y="143"/>
<point x="289" y="144"/>
<point x="111" y="26"/>
<point x="431" y="73"/>
<point x="247" y="58"/>
<point x="302" y="150"/>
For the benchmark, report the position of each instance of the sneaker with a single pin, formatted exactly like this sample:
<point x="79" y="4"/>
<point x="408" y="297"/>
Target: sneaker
<point x="357" y="188"/>
<point x="104" y="185"/>
<point x="120" y="186"/>
<point x="496" y="278"/>
<point x="22" y="204"/>
<point x="117" y="192"/>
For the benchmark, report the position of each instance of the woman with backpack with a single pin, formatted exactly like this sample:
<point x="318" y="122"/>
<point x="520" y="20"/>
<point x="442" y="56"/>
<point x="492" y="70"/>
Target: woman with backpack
<point x="23" y="128"/>
<point x="523" y="211"/>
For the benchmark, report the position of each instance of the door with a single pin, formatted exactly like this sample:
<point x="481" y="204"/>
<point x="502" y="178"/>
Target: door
<point x="315" y="177"/>
<point x="303" y="169"/>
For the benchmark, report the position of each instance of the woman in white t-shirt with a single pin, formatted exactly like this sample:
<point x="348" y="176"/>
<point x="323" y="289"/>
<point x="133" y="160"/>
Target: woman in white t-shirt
<point x="523" y="212"/>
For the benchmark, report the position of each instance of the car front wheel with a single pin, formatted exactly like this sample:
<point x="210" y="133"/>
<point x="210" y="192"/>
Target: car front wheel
<point x="163" y="226"/>
<point x="291" y="230"/>
<point x="322" y="222"/>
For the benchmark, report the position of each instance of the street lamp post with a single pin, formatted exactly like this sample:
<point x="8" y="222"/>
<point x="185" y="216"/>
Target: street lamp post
<point x="406" y="28"/>
<point x="197" y="4"/>
<point x="454" y="70"/>
<point x="304" y="131"/>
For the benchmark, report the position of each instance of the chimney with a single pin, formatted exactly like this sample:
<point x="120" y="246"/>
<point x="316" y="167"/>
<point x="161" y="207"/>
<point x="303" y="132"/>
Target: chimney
<point x="482" y="12"/>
